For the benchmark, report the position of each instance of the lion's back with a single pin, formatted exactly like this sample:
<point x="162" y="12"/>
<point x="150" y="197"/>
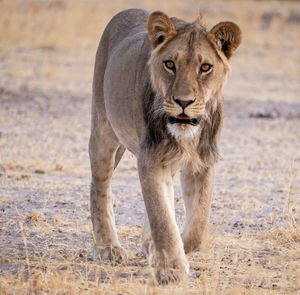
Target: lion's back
<point x="124" y="25"/>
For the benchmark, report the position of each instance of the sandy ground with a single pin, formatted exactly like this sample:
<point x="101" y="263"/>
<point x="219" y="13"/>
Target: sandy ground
<point x="45" y="97"/>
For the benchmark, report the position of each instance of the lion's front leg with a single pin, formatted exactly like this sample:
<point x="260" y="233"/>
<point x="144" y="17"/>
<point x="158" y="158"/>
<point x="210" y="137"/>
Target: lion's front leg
<point x="197" y="191"/>
<point x="146" y="237"/>
<point x="169" y="257"/>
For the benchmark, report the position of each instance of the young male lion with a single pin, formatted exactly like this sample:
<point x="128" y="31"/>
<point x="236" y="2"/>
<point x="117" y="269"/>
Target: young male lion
<point x="157" y="92"/>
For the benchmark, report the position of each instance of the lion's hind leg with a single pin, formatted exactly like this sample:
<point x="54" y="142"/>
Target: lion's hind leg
<point x="197" y="191"/>
<point x="105" y="153"/>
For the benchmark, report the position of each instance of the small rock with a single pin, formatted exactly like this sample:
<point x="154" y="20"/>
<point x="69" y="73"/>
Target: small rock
<point x="261" y="115"/>
<point x="39" y="171"/>
<point x="23" y="177"/>
<point x="59" y="167"/>
<point x="124" y="275"/>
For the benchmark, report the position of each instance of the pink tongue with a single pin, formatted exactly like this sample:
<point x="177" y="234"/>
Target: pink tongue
<point x="182" y="116"/>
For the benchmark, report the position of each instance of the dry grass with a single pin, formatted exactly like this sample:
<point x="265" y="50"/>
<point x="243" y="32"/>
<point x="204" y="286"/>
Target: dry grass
<point x="249" y="264"/>
<point x="44" y="171"/>
<point x="79" y="23"/>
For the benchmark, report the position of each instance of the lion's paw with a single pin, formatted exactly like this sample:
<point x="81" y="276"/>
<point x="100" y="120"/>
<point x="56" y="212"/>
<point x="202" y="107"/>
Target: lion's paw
<point x="115" y="254"/>
<point x="179" y="270"/>
<point x="170" y="275"/>
<point x="166" y="276"/>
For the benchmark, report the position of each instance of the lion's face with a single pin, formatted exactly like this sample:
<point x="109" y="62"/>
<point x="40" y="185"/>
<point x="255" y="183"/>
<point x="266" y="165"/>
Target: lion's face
<point x="188" y="69"/>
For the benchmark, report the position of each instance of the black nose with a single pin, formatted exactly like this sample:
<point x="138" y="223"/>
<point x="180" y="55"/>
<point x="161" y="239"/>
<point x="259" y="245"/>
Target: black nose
<point x="183" y="103"/>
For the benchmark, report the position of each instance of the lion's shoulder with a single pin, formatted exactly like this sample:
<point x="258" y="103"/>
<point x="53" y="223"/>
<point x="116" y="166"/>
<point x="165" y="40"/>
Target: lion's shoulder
<point x="128" y="22"/>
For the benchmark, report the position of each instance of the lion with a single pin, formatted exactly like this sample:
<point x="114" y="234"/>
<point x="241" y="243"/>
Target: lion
<point x="157" y="92"/>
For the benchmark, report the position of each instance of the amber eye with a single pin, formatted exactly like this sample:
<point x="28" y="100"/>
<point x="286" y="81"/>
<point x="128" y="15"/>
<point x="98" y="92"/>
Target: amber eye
<point x="205" y="68"/>
<point x="169" y="65"/>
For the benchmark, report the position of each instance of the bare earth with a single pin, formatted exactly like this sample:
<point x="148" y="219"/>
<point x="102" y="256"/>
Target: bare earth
<point x="45" y="228"/>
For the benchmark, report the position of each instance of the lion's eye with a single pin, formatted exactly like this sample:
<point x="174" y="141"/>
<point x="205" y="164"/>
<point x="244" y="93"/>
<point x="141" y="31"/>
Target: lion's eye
<point x="169" y="65"/>
<point x="205" y="68"/>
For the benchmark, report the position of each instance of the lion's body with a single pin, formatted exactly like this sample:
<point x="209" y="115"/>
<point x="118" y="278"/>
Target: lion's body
<point x="119" y="89"/>
<point x="135" y="107"/>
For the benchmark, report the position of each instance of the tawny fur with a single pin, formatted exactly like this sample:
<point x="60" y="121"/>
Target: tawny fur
<point x="134" y="97"/>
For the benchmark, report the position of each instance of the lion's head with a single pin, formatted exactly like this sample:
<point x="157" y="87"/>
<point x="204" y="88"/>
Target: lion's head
<point x="188" y="68"/>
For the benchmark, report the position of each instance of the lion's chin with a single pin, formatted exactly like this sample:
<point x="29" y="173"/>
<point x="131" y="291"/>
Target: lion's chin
<point x="182" y="131"/>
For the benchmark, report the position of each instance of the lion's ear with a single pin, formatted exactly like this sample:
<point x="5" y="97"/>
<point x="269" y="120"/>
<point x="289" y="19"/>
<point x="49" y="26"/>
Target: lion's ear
<point x="227" y="36"/>
<point x="160" y="28"/>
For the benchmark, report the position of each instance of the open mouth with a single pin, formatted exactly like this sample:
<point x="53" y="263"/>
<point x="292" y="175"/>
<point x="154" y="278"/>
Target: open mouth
<point x="183" y="119"/>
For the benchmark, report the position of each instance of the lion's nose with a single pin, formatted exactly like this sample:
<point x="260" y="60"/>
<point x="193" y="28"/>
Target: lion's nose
<point x="183" y="102"/>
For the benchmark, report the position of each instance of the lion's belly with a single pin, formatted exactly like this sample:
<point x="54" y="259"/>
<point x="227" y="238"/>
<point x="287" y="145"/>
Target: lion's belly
<point x="119" y="94"/>
<point x="126" y="132"/>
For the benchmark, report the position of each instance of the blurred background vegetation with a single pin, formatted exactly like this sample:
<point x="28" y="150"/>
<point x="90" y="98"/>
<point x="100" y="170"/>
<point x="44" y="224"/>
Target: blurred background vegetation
<point x="52" y="43"/>
<point x="79" y="23"/>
